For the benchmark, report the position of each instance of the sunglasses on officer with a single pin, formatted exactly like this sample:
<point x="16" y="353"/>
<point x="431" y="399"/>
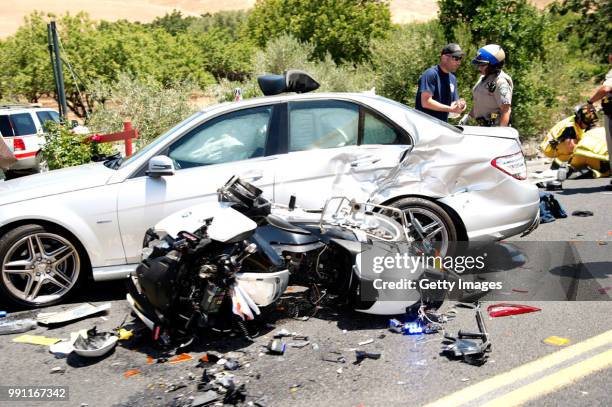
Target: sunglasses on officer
<point x="455" y="58"/>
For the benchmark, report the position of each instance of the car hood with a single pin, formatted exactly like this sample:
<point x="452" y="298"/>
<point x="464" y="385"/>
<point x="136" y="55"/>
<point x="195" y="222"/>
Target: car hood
<point x="54" y="182"/>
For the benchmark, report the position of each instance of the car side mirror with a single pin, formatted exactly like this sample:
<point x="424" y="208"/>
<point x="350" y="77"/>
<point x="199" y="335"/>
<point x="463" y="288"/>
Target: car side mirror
<point x="159" y="166"/>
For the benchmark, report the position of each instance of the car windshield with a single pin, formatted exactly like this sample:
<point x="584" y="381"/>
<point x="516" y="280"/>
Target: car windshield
<point x="116" y="163"/>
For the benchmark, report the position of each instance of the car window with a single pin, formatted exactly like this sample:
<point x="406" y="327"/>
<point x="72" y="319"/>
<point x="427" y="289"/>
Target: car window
<point x="5" y="126"/>
<point x="375" y="131"/>
<point x="232" y="137"/>
<point x="322" y="124"/>
<point x="46" y="116"/>
<point x="23" y="124"/>
<point x="54" y="116"/>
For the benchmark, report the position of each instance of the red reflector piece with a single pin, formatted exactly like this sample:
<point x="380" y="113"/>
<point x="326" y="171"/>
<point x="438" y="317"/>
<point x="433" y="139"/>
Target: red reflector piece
<point x="504" y="310"/>
<point x="18" y="144"/>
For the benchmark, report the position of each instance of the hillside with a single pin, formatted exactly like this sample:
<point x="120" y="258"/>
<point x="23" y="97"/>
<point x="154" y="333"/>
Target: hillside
<point x="14" y="11"/>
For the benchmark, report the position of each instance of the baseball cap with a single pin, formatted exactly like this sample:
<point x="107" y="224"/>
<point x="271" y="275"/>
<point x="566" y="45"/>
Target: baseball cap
<point x="452" y="49"/>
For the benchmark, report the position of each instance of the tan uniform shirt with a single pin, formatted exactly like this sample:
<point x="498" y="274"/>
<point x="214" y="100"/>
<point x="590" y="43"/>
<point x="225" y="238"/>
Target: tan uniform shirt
<point x="490" y="93"/>
<point x="608" y="80"/>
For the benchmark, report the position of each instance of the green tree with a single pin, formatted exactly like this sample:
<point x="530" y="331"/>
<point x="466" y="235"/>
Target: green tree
<point x="174" y="23"/>
<point x="342" y="28"/>
<point x="400" y="59"/>
<point x="592" y="26"/>
<point x="521" y="30"/>
<point x="151" y="106"/>
<point x="26" y="66"/>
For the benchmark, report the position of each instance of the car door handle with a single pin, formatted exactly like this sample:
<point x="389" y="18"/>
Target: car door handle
<point x="364" y="161"/>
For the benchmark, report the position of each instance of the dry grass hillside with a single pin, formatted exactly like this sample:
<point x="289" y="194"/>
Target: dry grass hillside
<point x="13" y="11"/>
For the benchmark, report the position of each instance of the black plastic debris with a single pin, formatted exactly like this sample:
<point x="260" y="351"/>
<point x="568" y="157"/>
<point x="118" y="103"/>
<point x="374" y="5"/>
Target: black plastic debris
<point x="472" y="347"/>
<point x="175" y="387"/>
<point x="554" y="186"/>
<point x="205" y="380"/>
<point x="361" y="355"/>
<point x="235" y="395"/>
<point x="583" y="214"/>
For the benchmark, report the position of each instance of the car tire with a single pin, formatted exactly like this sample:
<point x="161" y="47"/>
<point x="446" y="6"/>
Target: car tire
<point x="31" y="274"/>
<point x="425" y="217"/>
<point x="41" y="164"/>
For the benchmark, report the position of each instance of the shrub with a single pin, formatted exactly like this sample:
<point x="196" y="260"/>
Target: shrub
<point x="286" y="52"/>
<point x="63" y="148"/>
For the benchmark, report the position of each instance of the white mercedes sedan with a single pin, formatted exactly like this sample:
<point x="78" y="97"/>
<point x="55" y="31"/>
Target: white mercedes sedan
<point x="455" y="183"/>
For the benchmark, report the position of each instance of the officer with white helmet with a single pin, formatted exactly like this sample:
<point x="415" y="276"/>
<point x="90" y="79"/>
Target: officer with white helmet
<point x="493" y="91"/>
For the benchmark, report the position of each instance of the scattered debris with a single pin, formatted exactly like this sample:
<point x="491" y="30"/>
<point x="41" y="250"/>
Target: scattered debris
<point x="231" y="364"/>
<point x="235" y="395"/>
<point x="465" y="379"/>
<point x="283" y="333"/>
<point x="582" y="213"/>
<point x="131" y="372"/>
<point x="124" y="334"/>
<point x="361" y="355"/>
<point x="17" y="326"/>
<point x="519" y="290"/>
<point x="36" y="340"/>
<point x="298" y="345"/>
<point x="58" y="369"/>
<point x="604" y="290"/>
<point x="276" y="347"/>
<point x="175" y="387"/>
<point x="461" y="346"/>
<point x="366" y="342"/>
<point x="333" y="356"/>
<point x="63" y="348"/>
<point x="183" y="357"/>
<point x="504" y="310"/>
<point x="205" y="399"/>
<point x="95" y="344"/>
<point x="82" y="311"/>
<point x="339" y="371"/>
<point x="556" y="341"/>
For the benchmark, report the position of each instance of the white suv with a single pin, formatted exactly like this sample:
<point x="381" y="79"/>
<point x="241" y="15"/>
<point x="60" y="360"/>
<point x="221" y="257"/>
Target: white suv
<point x="22" y="128"/>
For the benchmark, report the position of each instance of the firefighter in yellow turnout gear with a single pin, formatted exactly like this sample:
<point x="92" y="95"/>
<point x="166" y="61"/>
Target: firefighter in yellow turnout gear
<point x="571" y="140"/>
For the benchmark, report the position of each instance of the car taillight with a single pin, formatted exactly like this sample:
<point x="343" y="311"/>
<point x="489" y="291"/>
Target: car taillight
<point x="18" y="144"/>
<point x="513" y="165"/>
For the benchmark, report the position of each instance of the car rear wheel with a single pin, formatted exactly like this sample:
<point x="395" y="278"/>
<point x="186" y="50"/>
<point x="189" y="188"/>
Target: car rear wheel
<point x="41" y="164"/>
<point x="430" y="225"/>
<point x="40" y="266"/>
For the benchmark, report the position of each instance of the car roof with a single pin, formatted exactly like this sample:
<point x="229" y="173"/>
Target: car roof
<point x="262" y="100"/>
<point x="22" y="109"/>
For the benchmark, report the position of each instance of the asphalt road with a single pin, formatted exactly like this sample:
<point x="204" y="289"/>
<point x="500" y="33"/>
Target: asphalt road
<point x="411" y="370"/>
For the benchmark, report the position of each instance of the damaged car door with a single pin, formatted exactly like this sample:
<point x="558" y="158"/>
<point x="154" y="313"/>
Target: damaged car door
<point x="234" y="143"/>
<point x="335" y="148"/>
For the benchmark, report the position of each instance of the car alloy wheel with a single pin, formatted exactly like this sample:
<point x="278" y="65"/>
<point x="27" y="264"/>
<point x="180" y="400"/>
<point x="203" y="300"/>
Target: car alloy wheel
<point x="39" y="267"/>
<point x="429" y="225"/>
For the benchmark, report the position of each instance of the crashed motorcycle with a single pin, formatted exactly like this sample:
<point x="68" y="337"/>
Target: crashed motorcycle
<point x="221" y="263"/>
